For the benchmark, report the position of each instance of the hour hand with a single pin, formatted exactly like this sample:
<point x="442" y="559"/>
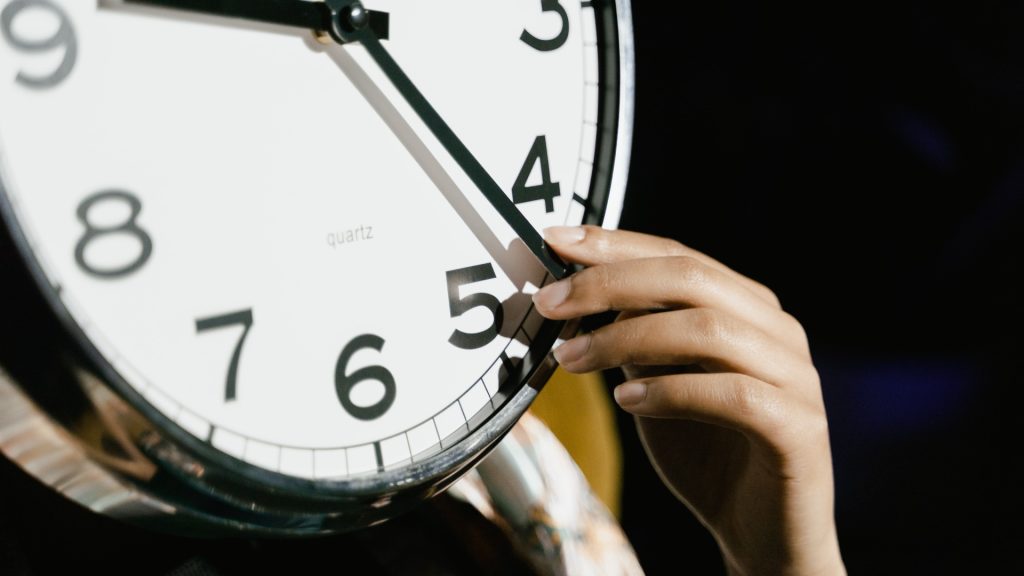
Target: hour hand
<point x="316" y="16"/>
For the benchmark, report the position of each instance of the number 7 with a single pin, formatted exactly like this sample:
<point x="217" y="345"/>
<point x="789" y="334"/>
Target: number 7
<point x="244" y="318"/>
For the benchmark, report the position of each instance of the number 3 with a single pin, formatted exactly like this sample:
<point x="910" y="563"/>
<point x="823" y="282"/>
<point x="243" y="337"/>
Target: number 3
<point x="556" y="42"/>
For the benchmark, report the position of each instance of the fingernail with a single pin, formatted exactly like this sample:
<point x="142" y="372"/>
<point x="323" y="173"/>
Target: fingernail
<point x="565" y="234"/>
<point x="572" y="350"/>
<point x="630" y="393"/>
<point x="552" y="296"/>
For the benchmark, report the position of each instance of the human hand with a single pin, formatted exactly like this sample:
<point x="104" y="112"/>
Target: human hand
<point x="720" y="379"/>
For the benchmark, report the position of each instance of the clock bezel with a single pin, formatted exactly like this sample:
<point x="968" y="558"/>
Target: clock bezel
<point x="189" y="477"/>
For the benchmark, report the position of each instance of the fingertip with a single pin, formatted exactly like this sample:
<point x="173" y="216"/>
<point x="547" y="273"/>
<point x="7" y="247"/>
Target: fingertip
<point x="564" y="235"/>
<point x="630" y="394"/>
<point x="550" y="297"/>
<point x="570" y="353"/>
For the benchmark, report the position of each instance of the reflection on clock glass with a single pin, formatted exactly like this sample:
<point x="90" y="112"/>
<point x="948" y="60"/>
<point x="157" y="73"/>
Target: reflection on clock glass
<point x="264" y="240"/>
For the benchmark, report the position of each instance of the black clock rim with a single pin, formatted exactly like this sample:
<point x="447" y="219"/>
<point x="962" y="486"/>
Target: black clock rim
<point x="231" y="486"/>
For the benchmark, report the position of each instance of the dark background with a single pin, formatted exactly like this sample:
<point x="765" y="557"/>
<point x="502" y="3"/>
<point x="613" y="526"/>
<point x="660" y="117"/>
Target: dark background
<point x="865" y="161"/>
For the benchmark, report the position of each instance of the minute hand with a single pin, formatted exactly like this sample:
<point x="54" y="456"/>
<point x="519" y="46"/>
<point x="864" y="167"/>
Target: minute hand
<point x="458" y="151"/>
<point x="316" y="16"/>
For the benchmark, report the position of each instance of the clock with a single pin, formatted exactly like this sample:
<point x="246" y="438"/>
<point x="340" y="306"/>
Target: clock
<point x="268" y="264"/>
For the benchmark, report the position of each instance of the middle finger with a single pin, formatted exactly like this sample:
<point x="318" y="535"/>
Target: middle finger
<point x="705" y="337"/>
<point x="664" y="283"/>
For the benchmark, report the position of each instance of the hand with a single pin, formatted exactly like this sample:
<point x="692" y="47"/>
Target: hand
<point x="727" y="400"/>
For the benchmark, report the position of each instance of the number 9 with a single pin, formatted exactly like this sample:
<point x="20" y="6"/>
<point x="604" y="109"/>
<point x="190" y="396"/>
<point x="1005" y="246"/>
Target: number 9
<point x="63" y="37"/>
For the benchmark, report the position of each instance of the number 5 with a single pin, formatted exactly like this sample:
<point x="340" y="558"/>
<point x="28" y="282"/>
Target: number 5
<point x="459" y="306"/>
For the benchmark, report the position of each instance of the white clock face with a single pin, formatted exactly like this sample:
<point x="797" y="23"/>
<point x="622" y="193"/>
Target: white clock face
<point x="265" y="242"/>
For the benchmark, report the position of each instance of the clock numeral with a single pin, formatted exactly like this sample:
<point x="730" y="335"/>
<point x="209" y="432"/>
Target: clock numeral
<point x="63" y="38"/>
<point x="345" y="383"/>
<point x="553" y="43"/>
<point x="546" y="190"/>
<point x="460" y="305"/>
<point x="129" y="227"/>
<point x="241" y="318"/>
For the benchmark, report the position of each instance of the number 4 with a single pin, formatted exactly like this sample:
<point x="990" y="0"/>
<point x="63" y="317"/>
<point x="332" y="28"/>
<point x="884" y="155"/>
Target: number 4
<point x="546" y="190"/>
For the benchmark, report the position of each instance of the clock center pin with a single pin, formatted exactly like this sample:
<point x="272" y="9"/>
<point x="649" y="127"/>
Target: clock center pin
<point x="357" y="16"/>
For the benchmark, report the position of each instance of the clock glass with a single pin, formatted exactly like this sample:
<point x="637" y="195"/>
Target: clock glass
<point x="272" y="250"/>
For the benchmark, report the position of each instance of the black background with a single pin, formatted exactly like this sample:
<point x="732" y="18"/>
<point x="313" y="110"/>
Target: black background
<point x="865" y="161"/>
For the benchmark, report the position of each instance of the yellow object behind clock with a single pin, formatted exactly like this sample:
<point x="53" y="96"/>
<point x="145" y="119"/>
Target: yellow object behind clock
<point x="578" y="409"/>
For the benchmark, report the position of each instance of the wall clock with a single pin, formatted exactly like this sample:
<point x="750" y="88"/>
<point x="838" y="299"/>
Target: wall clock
<point x="269" y="262"/>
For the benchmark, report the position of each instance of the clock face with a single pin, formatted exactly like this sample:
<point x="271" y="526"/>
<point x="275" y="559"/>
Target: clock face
<point x="263" y="241"/>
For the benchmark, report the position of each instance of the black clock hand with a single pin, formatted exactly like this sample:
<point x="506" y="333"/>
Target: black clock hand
<point x="508" y="258"/>
<point x="316" y="16"/>
<point x="351" y="26"/>
<point x="348" y="21"/>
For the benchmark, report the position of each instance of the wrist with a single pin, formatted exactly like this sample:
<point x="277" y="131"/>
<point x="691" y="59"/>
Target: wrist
<point x="821" y="561"/>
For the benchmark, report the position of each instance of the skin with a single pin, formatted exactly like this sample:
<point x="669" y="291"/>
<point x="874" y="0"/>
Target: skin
<point x="722" y="386"/>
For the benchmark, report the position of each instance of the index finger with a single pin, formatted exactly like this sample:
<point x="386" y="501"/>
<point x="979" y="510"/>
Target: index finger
<point x="592" y="245"/>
